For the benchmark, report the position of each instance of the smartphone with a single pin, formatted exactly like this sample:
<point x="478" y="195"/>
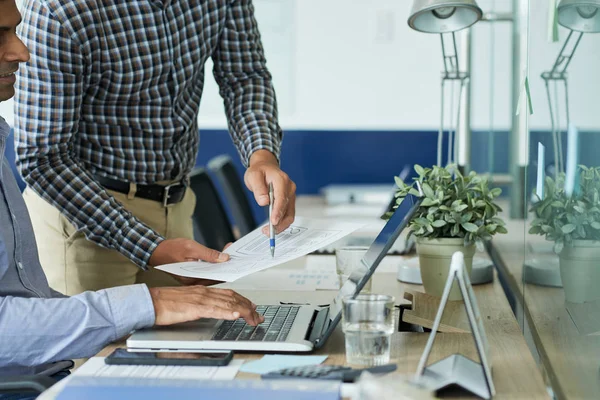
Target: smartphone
<point x="213" y="358"/>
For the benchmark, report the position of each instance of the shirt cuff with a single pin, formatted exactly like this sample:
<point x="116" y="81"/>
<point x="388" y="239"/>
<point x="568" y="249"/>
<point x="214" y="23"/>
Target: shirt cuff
<point x="138" y="243"/>
<point x="131" y="307"/>
<point x="255" y="142"/>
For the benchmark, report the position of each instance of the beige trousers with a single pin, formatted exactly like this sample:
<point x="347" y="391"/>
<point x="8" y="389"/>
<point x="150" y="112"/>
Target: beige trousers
<point x="73" y="264"/>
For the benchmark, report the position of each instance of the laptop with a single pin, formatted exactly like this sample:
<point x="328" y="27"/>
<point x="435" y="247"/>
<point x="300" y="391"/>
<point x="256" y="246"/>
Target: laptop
<point x="287" y="328"/>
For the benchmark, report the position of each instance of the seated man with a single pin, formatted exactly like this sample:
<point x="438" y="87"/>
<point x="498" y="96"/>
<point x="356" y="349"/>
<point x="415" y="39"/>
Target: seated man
<point x="40" y="328"/>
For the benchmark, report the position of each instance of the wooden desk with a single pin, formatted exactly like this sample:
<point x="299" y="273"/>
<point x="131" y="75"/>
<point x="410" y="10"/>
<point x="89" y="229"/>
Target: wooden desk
<point x="514" y="370"/>
<point x="571" y="360"/>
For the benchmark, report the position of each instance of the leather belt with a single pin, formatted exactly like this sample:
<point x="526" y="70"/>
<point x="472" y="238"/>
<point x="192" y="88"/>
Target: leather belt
<point x="166" y="195"/>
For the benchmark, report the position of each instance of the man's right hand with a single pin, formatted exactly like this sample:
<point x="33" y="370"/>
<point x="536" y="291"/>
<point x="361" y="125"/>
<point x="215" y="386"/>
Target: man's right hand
<point x="180" y="250"/>
<point x="174" y="305"/>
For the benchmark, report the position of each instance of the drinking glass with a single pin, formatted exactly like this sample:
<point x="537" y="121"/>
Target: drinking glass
<point x="368" y="324"/>
<point x="348" y="262"/>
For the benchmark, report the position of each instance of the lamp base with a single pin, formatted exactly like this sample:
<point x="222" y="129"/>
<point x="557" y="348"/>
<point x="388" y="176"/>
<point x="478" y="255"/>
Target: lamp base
<point x="542" y="270"/>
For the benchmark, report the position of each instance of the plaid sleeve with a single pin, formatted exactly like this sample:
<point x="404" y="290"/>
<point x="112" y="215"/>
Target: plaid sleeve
<point x="47" y="110"/>
<point x="245" y="84"/>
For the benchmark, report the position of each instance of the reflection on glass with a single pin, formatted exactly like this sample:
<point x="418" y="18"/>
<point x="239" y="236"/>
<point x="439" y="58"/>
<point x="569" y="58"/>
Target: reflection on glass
<point x="572" y="223"/>
<point x="563" y="225"/>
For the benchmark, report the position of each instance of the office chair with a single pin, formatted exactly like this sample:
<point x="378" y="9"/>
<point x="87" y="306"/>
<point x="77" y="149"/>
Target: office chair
<point x="25" y="384"/>
<point x="211" y="226"/>
<point x="223" y="169"/>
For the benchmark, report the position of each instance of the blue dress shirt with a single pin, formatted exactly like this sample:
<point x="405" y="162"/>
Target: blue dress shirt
<point x="39" y="327"/>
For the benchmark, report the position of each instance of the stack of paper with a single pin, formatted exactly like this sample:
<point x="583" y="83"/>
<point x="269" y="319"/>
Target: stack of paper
<point x="275" y="362"/>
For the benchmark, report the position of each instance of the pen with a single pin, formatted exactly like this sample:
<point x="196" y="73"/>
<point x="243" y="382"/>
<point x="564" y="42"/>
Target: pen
<point x="271" y="229"/>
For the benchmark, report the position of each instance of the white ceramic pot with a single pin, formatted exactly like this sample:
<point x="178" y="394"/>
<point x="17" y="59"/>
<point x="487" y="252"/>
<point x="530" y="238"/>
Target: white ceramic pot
<point x="435" y="256"/>
<point x="580" y="271"/>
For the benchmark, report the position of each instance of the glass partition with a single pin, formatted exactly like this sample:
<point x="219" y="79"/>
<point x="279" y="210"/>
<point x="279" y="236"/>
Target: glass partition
<point x="561" y="272"/>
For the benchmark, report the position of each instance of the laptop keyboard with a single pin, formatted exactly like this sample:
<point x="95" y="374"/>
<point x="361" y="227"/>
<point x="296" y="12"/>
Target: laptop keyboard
<point x="277" y="325"/>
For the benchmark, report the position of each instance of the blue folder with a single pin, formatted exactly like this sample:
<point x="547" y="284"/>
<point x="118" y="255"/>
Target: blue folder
<point x="102" y="388"/>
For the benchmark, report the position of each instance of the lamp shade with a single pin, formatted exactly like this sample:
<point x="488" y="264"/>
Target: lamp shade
<point x="442" y="16"/>
<point x="580" y="15"/>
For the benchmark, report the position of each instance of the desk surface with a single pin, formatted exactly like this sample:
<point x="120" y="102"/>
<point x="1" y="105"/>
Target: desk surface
<point x="571" y="360"/>
<point x="515" y="373"/>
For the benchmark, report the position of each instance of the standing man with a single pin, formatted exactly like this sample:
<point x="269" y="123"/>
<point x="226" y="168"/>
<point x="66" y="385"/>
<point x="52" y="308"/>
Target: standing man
<point x="40" y="329"/>
<point x="106" y="129"/>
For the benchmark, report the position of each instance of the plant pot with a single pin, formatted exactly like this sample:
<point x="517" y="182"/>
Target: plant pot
<point x="435" y="256"/>
<point x="580" y="271"/>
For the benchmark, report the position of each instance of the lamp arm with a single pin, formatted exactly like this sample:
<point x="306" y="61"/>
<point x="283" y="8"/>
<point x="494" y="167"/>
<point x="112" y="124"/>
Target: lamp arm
<point x="559" y="73"/>
<point x="564" y="57"/>
<point x="451" y="66"/>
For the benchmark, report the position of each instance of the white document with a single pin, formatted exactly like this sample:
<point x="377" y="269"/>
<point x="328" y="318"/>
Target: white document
<point x="355" y="210"/>
<point x="95" y="366"/>
<point x="252" y="252"/>
<point x="287" y="280"/>
<point x="326" y="264"/>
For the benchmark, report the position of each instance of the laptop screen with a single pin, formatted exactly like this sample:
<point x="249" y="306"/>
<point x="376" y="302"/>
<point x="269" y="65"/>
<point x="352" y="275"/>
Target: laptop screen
<point x="377" y="251"/>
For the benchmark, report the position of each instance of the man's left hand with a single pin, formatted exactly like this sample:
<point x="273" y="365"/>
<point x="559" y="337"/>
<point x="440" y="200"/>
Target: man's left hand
<point x="264" y="169"/>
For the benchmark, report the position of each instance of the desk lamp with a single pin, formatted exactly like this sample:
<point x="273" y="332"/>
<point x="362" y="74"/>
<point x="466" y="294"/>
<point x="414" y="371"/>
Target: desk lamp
<point x="579" y="16"/>
<point x="445" y="17"/>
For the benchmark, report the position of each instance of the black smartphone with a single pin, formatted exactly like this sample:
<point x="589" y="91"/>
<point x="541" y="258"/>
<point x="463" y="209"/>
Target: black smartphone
<point x="205" y="358"/>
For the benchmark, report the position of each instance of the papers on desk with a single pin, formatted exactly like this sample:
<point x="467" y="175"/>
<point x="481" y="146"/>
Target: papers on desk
<point x="326" y="264"/>
<point x="95" y="366"/>
<point x="275" y="362"/>
<point x="252" y="253"/>
<point x="287" y="280"/>
<point x="95" y="380"/>
<point x="356" y="210"/>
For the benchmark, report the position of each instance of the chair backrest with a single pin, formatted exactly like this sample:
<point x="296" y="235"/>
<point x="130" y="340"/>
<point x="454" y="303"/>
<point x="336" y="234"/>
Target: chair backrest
<point x="211" y="226"/>
<point x="224" y="171"/>
<point x="25" y="384"/>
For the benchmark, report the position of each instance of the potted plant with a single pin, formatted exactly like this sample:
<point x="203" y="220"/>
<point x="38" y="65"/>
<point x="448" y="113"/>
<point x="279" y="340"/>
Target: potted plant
<point x="572" y="222"/>
<point x="458" y="213"/>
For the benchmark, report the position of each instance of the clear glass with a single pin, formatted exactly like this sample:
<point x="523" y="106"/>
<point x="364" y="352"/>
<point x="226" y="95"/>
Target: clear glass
<point x="368" y="324"/>
<point x="560" y="279"/>
<point x="348" y="262"/>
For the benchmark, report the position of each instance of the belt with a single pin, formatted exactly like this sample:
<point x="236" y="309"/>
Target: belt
<point x="167" y="195"/>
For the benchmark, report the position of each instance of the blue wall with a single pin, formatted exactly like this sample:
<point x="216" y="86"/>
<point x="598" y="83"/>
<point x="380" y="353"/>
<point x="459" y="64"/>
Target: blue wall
<point x="314" y="158"/>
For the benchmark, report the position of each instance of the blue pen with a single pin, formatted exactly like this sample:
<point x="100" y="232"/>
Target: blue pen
<point x="271" y="229"/>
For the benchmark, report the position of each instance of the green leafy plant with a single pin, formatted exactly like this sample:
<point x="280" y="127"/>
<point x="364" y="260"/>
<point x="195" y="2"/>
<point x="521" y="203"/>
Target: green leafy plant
<point x="454" y="205"/>
<point x="562" y="218"/>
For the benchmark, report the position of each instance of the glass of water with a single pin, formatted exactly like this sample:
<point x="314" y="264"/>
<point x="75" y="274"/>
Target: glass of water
<point x="368" y="324"/>
<point x="348" y="264"/>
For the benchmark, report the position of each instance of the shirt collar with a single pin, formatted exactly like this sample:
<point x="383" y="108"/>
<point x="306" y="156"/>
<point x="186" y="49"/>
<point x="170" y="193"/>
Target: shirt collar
<point x="4" y="128"/>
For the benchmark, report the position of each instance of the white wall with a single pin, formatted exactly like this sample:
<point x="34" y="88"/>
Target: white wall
<point x="355" y="64"/>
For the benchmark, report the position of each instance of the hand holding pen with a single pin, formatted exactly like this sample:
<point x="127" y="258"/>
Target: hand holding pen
<point x="271" y="228"/>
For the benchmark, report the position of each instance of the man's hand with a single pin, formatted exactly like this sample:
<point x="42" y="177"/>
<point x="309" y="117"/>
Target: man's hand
<point x="180" y="250"/>
<point x="173" y="305"/>
<point x="264" y="169"/>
